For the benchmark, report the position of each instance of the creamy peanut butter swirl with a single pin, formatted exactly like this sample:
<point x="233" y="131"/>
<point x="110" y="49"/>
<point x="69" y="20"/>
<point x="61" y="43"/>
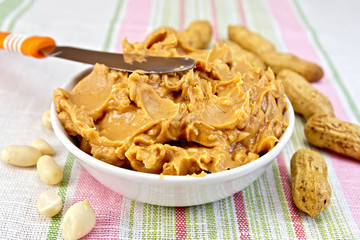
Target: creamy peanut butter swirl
<point x="222" y="114"/>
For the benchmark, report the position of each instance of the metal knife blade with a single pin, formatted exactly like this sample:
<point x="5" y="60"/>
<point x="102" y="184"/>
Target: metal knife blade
<point x="148" y="64"/>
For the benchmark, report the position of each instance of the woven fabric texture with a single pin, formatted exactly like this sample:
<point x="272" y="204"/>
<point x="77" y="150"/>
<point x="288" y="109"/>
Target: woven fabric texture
<point x="320" y="31"/>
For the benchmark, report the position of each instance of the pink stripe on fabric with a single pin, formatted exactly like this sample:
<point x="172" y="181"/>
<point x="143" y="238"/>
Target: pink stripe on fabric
<point x="347" y="171"/>
<point x="297" y="42"/>
<point x="241" y="216"/>
<point x="296" y="38"/>
<point x="241" y="11"/>
<point x="105" y="202"/>
<point x="135" y="23"/>
<point x="180" y="217"/>
<point x="294" y="212"/>
<point x="214" y="22"/>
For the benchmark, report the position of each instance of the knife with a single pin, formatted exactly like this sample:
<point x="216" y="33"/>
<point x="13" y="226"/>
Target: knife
<point x="41" y="47"/>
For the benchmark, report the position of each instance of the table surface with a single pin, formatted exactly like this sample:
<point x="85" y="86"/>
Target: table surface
<point x="325" y="32"/>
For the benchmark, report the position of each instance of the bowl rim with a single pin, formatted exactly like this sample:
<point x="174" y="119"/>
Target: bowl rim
<point x="149" y="178"/>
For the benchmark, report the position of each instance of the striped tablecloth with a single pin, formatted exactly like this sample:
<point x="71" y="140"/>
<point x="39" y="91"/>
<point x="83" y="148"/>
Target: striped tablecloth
<point x="325" y="32"/>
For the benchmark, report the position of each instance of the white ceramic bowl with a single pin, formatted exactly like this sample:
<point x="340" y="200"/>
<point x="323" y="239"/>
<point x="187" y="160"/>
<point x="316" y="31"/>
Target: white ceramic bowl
<point x="170" y="190"/>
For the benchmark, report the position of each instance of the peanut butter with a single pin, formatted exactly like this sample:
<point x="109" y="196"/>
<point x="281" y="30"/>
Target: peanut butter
<point x="220" y="115"/>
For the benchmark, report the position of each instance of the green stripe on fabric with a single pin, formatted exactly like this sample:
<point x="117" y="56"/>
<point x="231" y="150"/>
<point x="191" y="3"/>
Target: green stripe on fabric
<point x="195" y="220"/>
<point x="210" y="221"/>
<point x="170" y="220"/>
<point x="155" y="220"/>
<point x="6" y="7"/>
<point x="191" y="12"/>
<point x="298" y="138"/>
<point x="19" y="15"/>
<point x="333" y="219"/>
<point x="167" y="230"/>
<point x="113" y="21"/>
<point x="221" y="18"/>
<point x="151" y="221"/>
<point x="263" y="23"/>
<point x="320" y="224"/>
<point x="284" y="207"/>
<point x="172" y="16"/>
<point x="131" y="221"/>
<point x="250" y="209"/>
<point x="155" y="20"/>
<point x="336" y="214"/>
<point x="263" y="215"/>
<point x="188" y="222"/>
<point x="203" y="227"/>
<point x="272" y="207"/>
<point x="326" y="215"/>
<point x="168" y="5"/>
<point x="224" y="218"/>
<point x="328" y="59"/>
<point x="145" y="219"/>
<point x="55" y="221"/>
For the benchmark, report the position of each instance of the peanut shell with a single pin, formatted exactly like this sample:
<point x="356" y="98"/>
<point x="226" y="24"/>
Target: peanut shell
<point x="326" y="131"/>
<point x="305" y="99"/>
<point x="310" y="188"/>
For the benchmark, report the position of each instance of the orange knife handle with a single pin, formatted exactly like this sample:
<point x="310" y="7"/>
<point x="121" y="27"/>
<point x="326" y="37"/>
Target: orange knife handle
<point x="33" y="46"/>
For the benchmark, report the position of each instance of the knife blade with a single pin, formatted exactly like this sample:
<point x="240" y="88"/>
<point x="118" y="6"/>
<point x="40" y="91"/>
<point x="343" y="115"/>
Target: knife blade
<point x="119" y="61"/>
<point x="40" y="47"/>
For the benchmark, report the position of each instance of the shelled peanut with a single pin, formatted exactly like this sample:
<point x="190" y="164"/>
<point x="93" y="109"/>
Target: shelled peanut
<point x="49" y="171"/>
<point x="49" y="203"/>
<point x="21" y="155"/>
<point x="37" y="154"/>
<point x="43" y="147"/>
<point x="46" y="119"/>
<point x="326" y="131"/>
<point x="78" y="220"/>
<point x="310" y="188"/>
<point x="305" y="99"/>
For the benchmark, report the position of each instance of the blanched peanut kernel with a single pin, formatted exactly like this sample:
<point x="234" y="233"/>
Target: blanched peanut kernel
<point x="49" y="203"/>
<point x="49" y="171"/>
<point x="79" y="220"/>
<point x="46" y="119"/>
<point x="21" y="155"/>
<point x="43" y="147"/>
